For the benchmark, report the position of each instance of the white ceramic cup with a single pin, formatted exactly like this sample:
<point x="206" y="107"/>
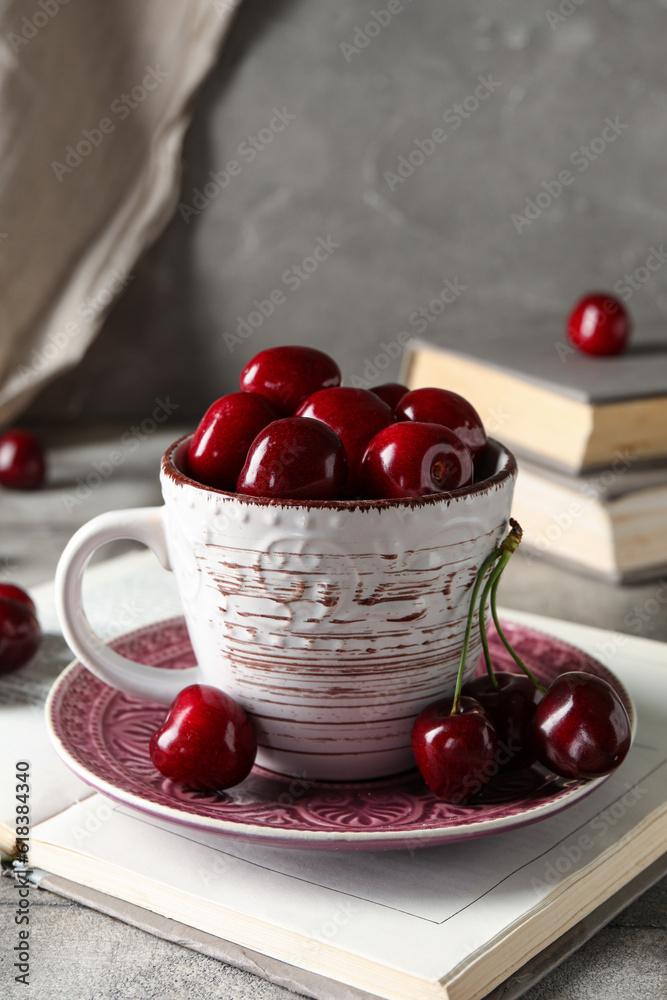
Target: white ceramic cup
<point x="332" y="623"/>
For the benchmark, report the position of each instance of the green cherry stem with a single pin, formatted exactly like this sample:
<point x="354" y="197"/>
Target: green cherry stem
<point x="515" y="656"/>
<point x="503" y="553"/>
<point x="494" y="577"/>
<point x="507" y="547"/>
<point x="489" y="561"/>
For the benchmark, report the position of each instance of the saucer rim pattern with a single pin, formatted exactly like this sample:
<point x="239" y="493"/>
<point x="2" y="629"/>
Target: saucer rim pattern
<point x="348" y="800"/>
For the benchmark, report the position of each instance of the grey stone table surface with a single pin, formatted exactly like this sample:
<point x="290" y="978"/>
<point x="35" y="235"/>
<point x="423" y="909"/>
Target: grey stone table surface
<point x="84" y="955"/>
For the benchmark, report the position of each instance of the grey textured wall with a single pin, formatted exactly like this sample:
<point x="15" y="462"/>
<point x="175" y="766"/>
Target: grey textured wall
<point x="537" y="86"/>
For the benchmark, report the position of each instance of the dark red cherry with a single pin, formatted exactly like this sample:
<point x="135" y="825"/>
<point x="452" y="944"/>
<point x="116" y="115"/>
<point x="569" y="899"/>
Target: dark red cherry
<point x="17" y="594"/>
<point x="288" y="375"/>
<point x="599" y="324"/>
<point x="413" y="459"/>
<point x="457" y="755"/>
<point x="220" y="444"/>
<point x="440" y="406"/>
<point x="580" y="728"/>
<point x="20" y="634"/>
<point x="22" y="461"/>
<point x="511" y="709"/>
<point x="295" y="458"/>
<point x="391" y="393"/>
<point x="355" y="415"/>
<point x="206" y="740"/>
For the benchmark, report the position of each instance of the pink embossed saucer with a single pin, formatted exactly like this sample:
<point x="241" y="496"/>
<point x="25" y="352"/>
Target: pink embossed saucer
<point x="103" y="736"/>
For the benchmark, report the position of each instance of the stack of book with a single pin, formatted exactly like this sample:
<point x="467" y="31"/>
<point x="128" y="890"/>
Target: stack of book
<point x="590" y="434"/>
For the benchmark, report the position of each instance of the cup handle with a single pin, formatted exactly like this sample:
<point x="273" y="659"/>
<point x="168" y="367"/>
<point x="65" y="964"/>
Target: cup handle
<point x="143" y="524"/>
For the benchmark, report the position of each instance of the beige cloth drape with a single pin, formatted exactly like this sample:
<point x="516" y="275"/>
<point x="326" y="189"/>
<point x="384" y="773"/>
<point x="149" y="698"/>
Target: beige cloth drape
<point x="95" y="97"/>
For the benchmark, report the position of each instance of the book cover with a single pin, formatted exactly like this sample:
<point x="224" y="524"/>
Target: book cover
<point x="551" y="363"/>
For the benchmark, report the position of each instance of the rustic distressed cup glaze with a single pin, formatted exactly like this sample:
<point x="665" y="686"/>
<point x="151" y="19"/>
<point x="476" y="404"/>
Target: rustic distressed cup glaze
<point x="332" y="623"/>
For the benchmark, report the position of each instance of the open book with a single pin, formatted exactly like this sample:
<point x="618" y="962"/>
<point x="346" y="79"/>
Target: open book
<point x="452" y="921"/>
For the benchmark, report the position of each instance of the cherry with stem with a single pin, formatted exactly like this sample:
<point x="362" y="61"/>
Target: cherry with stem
<point x="454" y="741"/>
<point x="578" y="729"/>
<point x="509" y="698"/>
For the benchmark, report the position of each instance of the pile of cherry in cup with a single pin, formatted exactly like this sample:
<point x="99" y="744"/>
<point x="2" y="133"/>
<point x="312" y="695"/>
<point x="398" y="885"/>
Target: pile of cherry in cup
<point x="294" y="433"/>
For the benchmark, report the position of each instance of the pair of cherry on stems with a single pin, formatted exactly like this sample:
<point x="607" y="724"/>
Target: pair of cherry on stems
<point x="577" y="728"/>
